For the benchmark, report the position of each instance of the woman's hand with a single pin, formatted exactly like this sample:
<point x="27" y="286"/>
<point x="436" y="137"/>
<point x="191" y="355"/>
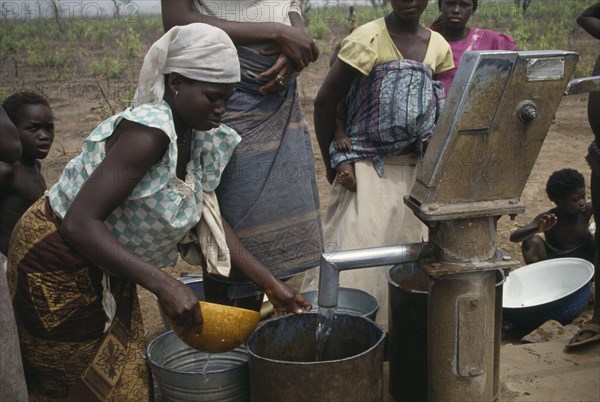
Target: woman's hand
<point x="300" y="48"/>
<point x="180" y="304"/>
<point x="285" y="300"/>
<point x="279" y="72"/>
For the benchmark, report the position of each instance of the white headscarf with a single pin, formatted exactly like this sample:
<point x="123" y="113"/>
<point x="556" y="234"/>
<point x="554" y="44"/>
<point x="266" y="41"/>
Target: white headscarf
<point x="198" y="51"/>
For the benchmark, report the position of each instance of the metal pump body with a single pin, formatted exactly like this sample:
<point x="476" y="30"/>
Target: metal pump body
<point x="479" y="159"/>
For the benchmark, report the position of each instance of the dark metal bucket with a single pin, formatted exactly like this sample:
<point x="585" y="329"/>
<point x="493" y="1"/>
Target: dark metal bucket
<point x="407" y="338"/>
<point x="283" y="367"/>
<point x="183" y="374"/>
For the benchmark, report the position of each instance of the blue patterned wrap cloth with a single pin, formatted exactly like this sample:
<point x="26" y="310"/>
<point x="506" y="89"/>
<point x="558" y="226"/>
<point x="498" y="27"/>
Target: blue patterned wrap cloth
<point x="397" y="104"/>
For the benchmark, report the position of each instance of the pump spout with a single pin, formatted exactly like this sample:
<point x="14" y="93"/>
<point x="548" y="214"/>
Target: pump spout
<point x="333" y="263"/>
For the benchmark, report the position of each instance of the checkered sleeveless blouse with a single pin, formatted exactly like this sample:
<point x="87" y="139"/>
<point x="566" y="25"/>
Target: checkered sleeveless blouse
<point x="162" y="208"/>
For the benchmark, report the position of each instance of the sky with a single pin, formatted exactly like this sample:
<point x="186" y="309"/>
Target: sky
<point x="31" y="9"/>
<point x="25" y="10"/>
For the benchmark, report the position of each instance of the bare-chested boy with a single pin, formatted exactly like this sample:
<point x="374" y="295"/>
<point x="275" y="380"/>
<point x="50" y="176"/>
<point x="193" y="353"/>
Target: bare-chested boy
<point x="565" y="227"/>
<point x="22" y="182"/>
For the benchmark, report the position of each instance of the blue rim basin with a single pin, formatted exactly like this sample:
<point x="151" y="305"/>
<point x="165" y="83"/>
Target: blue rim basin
<point x="556" y="289"/>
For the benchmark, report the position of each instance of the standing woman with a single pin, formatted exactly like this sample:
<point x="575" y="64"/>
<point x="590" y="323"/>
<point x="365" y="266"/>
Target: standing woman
<point x="589" y="20"/>
<point x="268" y="192"/>
<point x="116" y="215"/>
<point x="373" y="74"/>
<point x="452" y="24"/>
<point x="12" y="380"/>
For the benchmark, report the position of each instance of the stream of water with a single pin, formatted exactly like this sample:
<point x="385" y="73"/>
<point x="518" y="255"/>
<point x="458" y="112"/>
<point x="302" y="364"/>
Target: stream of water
<point x="205" y="367"/>
<point x="324" y="324"/>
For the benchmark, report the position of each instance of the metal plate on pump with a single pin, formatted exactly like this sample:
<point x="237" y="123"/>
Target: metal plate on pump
<point x="545" y="68"/>
<point x="490" y="133"/>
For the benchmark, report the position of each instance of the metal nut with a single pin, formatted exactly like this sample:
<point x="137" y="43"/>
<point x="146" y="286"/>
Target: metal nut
<point x="527" y="111"/>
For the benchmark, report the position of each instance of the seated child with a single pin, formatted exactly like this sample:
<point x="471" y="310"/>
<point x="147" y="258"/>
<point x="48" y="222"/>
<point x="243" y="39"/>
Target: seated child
<point x="565" y="228"/>
<point x="22" y="182"/>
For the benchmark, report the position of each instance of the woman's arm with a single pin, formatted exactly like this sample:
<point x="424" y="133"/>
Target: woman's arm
<point x="334" y="89"/>
<point x="589" y="20"/>
<point x="133" y="150"/>
<point x="292" y="41"/>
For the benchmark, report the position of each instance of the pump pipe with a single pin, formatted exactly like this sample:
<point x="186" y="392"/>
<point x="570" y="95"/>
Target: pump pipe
<point x="334" y="262"/>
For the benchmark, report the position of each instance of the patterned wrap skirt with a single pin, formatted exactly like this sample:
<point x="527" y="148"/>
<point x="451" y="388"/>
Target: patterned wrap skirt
<point x="268" y="192"/>
<point x="57" y="298"/>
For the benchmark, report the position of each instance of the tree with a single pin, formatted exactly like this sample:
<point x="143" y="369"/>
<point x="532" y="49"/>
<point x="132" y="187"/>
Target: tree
<point x="526" y="4"/>
<point x="304" y="9"/>
<point x="57" y="17"/>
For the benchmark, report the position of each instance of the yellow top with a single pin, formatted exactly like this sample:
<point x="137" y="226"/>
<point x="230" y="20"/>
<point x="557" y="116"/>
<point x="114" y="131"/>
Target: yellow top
<point x="370" y="45"/>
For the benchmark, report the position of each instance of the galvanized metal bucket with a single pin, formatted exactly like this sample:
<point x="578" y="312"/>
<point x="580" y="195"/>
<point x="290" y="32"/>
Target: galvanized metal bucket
<point x="350" y="301"/>
<point x="283" y="365"/>
<point x="184" y="374"/>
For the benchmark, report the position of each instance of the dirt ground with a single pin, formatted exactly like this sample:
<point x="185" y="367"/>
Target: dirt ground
<point x="75" y="116"/>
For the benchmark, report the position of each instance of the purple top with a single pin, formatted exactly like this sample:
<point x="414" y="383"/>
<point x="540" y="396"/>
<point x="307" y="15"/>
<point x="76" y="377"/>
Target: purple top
<point x="477" y="39"/>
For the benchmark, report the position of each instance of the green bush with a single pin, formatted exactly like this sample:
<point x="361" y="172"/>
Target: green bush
<point x="108" y="67"/>
<point x="130" y="43"/>
<point x="40" y="58"/>
<point x="318" y="29"/>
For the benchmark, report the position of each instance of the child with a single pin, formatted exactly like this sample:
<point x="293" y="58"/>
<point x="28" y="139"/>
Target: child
<point x="390" y="109"/>
<point x="565" y="227"/>
<point x="385" y="119"/>
<point x="22" y="182"/>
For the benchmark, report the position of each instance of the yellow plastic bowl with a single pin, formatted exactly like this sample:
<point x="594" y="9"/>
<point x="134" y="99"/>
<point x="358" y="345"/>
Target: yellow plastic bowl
<point x="224" y="328"/>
